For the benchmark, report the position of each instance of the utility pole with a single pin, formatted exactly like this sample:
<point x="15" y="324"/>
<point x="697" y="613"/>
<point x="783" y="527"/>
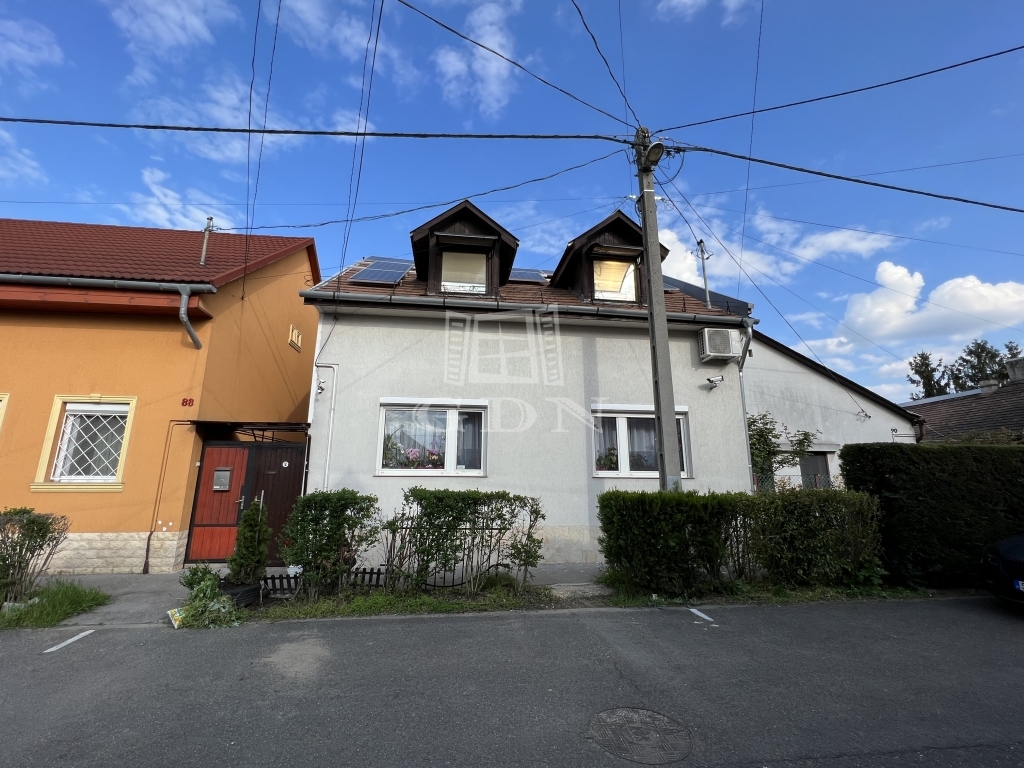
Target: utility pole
<point x="704" y="256"/>
<point x="666" y="436"/>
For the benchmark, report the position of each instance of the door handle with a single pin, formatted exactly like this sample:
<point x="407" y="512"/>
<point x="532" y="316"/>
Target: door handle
<point x="241" y="501"/>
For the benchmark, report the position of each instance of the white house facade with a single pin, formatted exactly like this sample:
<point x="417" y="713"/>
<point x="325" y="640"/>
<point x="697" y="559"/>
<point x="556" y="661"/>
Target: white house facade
<point x="459" y="371"/>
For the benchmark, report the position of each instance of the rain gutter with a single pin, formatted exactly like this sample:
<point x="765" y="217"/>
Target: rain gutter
<point x="185" y="289"/>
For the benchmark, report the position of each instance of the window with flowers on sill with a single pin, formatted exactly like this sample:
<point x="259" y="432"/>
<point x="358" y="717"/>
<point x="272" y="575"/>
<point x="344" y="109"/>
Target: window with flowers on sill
<point x="426" y="439"/>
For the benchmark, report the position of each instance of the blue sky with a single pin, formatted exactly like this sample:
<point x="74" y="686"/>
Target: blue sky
<point x="188" y="61"/>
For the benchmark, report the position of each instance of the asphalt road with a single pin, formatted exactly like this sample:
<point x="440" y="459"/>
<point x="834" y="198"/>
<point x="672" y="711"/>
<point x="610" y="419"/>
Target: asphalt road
<point x="867" y="684"/>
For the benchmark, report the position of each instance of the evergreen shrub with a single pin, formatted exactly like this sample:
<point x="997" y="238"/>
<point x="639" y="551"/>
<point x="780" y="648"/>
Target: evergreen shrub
<point x="248" y="563"/>
<point x="941" y="505"/>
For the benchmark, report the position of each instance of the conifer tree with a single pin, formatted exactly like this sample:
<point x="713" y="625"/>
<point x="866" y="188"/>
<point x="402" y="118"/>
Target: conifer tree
<point x="248" y="564"/>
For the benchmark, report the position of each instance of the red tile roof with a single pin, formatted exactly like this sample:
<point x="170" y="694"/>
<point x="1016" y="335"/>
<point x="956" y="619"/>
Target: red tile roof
<point x="513" y="292"/>
<point x="138" y="253"/>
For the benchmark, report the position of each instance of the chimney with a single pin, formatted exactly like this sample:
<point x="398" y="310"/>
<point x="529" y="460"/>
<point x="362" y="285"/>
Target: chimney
<point x="988" y="386"/>
<point x="206" y="240"/>
<point x="1015" y="368"/>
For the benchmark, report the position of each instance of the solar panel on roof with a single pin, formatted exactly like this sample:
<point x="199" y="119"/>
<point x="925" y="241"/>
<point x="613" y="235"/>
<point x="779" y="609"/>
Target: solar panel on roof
<point x="386" y="260"/>
<point x="528" y="276"/>
<point x="382" y="272"/>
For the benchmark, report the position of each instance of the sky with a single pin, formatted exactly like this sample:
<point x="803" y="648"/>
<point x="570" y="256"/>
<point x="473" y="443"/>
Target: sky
<point x="860" y="278"/>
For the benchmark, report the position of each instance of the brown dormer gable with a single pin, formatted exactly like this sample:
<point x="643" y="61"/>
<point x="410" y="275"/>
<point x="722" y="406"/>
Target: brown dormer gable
<point x="464" y="232"/>
<point x="615" y="239"/>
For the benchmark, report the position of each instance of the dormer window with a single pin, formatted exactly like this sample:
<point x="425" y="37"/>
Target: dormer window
<point x="614" y="280"/>
<point x="463" y="272"/>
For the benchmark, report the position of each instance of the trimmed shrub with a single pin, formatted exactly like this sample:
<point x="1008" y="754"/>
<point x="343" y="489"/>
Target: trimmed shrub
<point x="248" y="563"/>
<point x="667" y="542"/>
<point x="325" y="534"/>
<point x="27" y="542"/>
<point x="472" y="534"/>
<point x="941" y="505"/>
<point x="814" y="537"/>
<point x="686" y="543"/>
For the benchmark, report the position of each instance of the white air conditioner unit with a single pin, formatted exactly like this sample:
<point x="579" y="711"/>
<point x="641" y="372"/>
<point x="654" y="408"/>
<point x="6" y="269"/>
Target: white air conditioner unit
<point x="720" y="344"/>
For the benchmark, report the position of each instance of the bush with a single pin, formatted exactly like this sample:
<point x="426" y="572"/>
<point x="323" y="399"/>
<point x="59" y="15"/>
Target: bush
<point x="941" y="505"/>
<point x="27" y="542"/>
<point x="686" y="543"/>
<point x="206" y="606"/>
<point x="814" y="537"/>
<point x="471" y="533"/>
<point x="325" y="534"/>
<point x="248" y="563"/>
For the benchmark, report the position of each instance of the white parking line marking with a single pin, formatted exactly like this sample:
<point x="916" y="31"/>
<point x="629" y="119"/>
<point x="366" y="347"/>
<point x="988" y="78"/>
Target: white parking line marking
<point x="79" y="636"/>
<point x="702" y="615"/>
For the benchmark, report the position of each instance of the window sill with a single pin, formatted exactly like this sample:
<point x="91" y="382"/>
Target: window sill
<point x="76" y="487"/>
<point x="634" y="475"/>
<point x="427" y="473"/>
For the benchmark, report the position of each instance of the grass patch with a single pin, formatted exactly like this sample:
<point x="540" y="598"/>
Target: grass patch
<point x="378" y="603"/>
<point x="58" y="600"/>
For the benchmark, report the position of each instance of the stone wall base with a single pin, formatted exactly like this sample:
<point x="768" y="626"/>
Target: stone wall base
<point x="570" y="544"/>
<point x="83" y="553"/>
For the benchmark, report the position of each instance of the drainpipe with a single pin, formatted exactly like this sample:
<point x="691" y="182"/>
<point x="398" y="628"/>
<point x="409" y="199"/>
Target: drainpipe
<point x="743" y="400"/>
<point x="330" y="419"/>
<point x="185" y="289"/>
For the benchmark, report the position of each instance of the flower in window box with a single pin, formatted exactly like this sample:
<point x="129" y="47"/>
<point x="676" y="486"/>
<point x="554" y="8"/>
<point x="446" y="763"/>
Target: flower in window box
<point x="413" y="454"/>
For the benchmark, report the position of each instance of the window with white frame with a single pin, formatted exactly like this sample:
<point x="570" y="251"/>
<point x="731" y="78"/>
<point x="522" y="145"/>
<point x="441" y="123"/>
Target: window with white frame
<point x="91" y="442"/>
<point x="429" y="439"/>
<point x="624" y="444"/>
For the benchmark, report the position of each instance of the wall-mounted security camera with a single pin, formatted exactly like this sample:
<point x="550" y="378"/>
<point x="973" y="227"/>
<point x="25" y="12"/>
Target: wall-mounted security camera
<point x="714" y="381"/>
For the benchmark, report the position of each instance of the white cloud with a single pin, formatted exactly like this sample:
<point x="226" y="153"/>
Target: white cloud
<point x="166" y="209"/>
<point x="27" y="44"/>
<point x="841" y="242"/>
<point x="17" y="164"/>
<point x="938" y="223"/>
<point x="319" y="27"/>
<point x="897" y="393"/>
<point x="813" y="319"/>
<point x="687" y="9"/>
<point x="897" y="314"/>
<point x="163" y="29"/>
<point x="537" y="232"/>
<point x="223" y="101"/>
<point x="472" y="74"/>
<point x="681" y="263"/>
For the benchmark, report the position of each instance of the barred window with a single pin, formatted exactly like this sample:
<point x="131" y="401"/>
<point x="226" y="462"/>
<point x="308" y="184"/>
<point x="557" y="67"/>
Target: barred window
<point x="91" y="439"/>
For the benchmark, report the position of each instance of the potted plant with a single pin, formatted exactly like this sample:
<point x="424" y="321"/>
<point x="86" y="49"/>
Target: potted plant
<point x="248" y="565"/>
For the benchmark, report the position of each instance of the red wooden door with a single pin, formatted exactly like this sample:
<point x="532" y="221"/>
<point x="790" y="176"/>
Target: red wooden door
<point x="219" y="503"/>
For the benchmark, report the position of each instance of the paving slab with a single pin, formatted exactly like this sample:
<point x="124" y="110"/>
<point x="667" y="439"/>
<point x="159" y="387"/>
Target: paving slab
<point x="547" y="574"/>
<point x="135" y="598"/>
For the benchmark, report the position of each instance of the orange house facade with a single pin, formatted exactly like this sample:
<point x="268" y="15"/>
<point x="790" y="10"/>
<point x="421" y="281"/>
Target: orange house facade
<point x="152" y="383"/>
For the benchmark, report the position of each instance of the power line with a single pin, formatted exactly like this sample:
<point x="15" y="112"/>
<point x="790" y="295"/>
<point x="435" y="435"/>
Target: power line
<point x="862" y="231"/>
<point x="845" y="93"/>
<point x="600" y="53"/>
<point x="248" y="141"/>
<point x="763" y="294"/>
<point x="392" y="214"/>
<point x="314" y="132"/>
<point x="869" y="281"/>
<point x="513" y="62"/>
<point x="851" y="179"/>
<point x="750" y="145"/>
<point x="865" y="175"/>
<point x="368" y="91"/>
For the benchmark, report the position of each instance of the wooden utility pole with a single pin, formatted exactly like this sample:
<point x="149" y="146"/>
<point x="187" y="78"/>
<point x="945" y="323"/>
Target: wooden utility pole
<point x="666" y="436"/>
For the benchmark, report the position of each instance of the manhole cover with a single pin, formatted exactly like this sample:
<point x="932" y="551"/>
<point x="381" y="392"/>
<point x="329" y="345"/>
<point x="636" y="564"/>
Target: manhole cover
<point x="640" y="735"/>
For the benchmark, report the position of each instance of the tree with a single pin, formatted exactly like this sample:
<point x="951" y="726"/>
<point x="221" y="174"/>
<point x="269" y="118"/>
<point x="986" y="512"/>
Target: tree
<point x="979" y="362"/>
<point x="248" y="564"/>
<point x="766" y="452"/>
<point x="1013" y="350"/>
<point x="931" y="377"/>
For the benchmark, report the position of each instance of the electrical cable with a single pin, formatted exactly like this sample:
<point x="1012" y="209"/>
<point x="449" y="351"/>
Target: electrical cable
<point x="625" y="101"/>
<point x="851" y="179"/>
<point x="513" y="62"/>
<point x="869" y="281"/>
<point x="750" y="145"/>
<point x="600" y="53"/>
<point x="314" y="132"/>
<point x="248" y="142"/>
<point x="763" y="294"/>
<point x="426" y="206"/>
<point x="259" y="159"/>
<point x="863" y="175"/>
<point x="845" y="93"/>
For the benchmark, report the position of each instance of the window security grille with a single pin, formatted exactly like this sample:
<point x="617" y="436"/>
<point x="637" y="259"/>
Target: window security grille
<point x="91" y="439"/>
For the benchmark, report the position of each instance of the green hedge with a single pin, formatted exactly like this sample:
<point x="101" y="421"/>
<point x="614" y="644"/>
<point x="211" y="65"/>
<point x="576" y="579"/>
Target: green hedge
<point x="941" y="505"/>
<point x="686" y="542"/>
